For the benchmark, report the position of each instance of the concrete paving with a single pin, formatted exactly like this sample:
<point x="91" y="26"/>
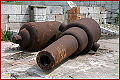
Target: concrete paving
<point x="102" y="64"/>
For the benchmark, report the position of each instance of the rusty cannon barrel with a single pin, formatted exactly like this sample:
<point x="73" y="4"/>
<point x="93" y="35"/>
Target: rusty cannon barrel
<point x="35" y="36"/>
<point x="77" y="37"/>
<point x="92" y="29"/>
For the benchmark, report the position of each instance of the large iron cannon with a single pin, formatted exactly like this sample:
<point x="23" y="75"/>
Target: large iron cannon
<point x="78" y="37"/>
<point x="34" y="36"/>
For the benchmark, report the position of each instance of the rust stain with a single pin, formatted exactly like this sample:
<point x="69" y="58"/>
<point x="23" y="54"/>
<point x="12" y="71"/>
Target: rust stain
<point x="32" y="33"/>
<point x="78" y="37"/>
<point x="73" y="14"/>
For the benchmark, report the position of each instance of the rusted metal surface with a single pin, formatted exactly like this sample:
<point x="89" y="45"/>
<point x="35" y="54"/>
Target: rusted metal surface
<point x="78" y="37"/>
<point x="73" y="14"/>
<point x="72" y="41"/>
<point x="91" y="27"/>
<point x="57" y="52"/>
<point x="35" y="36"/>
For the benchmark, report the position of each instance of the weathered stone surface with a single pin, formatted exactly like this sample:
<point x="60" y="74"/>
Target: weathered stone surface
<point x="40" y="18"/>
<point x="103" y="10"/>
<point x="102" y="21"/>
<point x="18" y="18"/>
<point x="3" y="26"/>
<point x="4" y="18"/>
<point x="14" y="26"/>
<point x="116" y="6"/>
<point x="89" y="15"/>
<point x="50" y="17"/>
<point x="59" y="18"/>
<point x="102" y="64"/>
<point x="25" y="9"/>
<point x="22" y="18"/>
<point x="96" y="10"/>
<point x="91" y="9"/>
<point x="103" y="16"/>
<point x="39" y="11"/>
<point x="54" y="10"/>
<point x="84" y="9"/>
<point x="10" y="9"/>
<point x="96" y="16"/>
<point x="12" y="18"/>
<point x="80" y="16"/>
<point x="109" y="28"/>
<point x="39" y="21"/>
<point x="115" y="15"/>
<point x="108" y="15"/>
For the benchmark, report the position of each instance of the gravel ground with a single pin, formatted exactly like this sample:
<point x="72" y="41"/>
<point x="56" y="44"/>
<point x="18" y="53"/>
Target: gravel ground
<point x="104" y="63"/>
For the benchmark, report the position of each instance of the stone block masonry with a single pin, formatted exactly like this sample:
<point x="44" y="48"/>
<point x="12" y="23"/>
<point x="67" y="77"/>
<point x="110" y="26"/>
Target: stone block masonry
<point x="18" y="18"/>
<point x="59" y="17"/>
<point x="39" y="11"/>
<point x="101" y="11"/>
<point x="46" y="13"/>
<point x="10" y="9"/>
<point x="14" y="16"/>
<point x="54" y="10"/>
<point x="50" y="17"/>
<point x="25" y="9"/>
<point x="40" y="18"/>
<point x="96" y="13"/>
<point x="4" y="18"/>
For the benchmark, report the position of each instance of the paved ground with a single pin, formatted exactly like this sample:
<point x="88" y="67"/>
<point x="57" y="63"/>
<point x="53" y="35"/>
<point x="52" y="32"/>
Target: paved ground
<point x="101" y="64"/>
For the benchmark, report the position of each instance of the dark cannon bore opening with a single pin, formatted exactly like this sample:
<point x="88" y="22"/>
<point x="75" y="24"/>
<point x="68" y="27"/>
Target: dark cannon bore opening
<point x="45" y="60"/>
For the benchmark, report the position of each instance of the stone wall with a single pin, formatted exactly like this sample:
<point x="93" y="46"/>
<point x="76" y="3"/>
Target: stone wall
<point x="96" y="13"/>
<point x="14" y="16"/>
<point x="112" y="9"/>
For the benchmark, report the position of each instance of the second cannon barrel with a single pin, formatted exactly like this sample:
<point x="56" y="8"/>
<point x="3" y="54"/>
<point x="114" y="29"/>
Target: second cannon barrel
<point x="35" y="36"/>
